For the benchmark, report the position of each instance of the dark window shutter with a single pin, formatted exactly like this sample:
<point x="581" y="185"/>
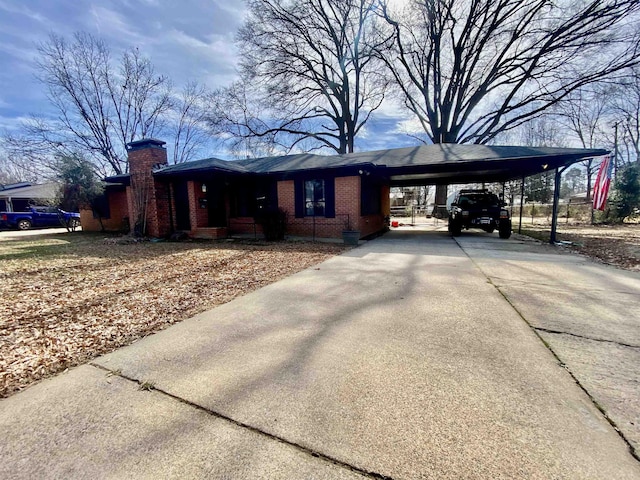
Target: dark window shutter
<point x="298" y="193"/>
<point x="272" y="199"/>
<point x="330" y="197"/>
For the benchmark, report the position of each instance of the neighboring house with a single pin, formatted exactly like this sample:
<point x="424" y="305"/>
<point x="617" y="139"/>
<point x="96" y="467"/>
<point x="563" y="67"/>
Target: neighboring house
<point x="18" y="197"/>
<point x="322" y="195"/>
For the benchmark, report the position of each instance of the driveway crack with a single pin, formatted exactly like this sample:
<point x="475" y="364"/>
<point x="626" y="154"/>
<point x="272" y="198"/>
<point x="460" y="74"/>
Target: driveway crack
<point x="604" y="340"/>
<point x="301" y="448"/>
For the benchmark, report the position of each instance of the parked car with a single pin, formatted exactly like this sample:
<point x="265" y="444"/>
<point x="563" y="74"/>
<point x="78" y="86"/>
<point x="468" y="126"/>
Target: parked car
<point x="39" y="217"/>
<point x="479" y="209"/>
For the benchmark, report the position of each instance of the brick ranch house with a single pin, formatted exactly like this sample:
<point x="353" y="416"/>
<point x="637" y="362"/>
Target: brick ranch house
<point x="322" y="195"/>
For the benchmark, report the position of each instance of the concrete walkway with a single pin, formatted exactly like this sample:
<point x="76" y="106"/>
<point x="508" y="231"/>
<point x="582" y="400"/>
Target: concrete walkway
<point x="402" y="358"/>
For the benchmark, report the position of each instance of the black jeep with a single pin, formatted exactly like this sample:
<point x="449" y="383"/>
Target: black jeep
<point x="479" y="209"/>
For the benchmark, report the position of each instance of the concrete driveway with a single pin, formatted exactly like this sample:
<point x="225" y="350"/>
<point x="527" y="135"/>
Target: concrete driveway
<point x="405" y="358"/>
<point x="13" y="234"/>
<point x="587" y="313"/>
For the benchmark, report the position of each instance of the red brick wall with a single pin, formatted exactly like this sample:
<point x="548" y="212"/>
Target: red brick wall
<point x="202" y="214"/>
<point x="141" y="163"/>
<point x="130" y="208"/>
<point x="244" y="225"/>
<point x="304" y="227"/>
<point x="164" y="220"/>
<point x="347" y="204"/>
<point x="143" y="160"/>
<point x="347" y="207"/>
<point x="199" y="217"/>
<point x="286" y="198"/>
<point x="118" y="213"/>
<point x="386" y="200"/>
<point x="193" y="205"/>
<point x="348" y="200"/>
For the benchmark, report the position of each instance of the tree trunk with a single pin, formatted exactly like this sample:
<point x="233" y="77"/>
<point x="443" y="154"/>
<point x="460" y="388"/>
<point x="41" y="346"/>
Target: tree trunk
<point x="440" y="208"/>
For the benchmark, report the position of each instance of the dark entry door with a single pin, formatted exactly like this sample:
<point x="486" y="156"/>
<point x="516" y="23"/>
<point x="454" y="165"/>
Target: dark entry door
<point x="182" y="206"/>
<point x="217" y="206"/>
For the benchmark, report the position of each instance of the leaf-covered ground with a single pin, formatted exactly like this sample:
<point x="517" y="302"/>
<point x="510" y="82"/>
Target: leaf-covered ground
<point x="70" y="297"/>
<point x="617" y="245"/>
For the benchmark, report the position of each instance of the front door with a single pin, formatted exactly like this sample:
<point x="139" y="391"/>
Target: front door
<point x="217" y="206"/>
<point x="181" y="192"/>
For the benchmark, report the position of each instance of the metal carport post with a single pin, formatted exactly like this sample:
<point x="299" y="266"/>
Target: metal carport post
<point x="556" y="200"/>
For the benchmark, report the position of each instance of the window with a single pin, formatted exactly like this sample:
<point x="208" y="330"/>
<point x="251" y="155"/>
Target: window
<point x="314" y="199"/>
<point x="242" y="201"/>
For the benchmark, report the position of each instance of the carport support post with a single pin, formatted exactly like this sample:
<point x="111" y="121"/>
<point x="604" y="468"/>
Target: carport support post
<point x="521" y="204"/>
<point x="556" y="200"/>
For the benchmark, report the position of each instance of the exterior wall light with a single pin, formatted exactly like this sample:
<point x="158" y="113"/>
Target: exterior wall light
<point x="204" y="188"/>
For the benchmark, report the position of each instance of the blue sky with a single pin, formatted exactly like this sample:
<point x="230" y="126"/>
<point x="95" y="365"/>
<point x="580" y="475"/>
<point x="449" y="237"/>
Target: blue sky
<point x="186" y="39"/>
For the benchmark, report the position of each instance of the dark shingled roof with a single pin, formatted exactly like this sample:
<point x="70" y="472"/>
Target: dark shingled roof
<point x="441" y="163"/>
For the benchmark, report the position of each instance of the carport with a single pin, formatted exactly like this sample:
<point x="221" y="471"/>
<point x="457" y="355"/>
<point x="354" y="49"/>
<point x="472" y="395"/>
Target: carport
<point x="445" y="164"/>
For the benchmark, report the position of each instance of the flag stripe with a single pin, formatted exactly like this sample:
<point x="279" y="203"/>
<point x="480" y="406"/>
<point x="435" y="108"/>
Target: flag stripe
<point x="603" y="181"/>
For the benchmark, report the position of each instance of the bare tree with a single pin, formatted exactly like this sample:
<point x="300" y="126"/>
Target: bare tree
<point x="311" y="64"/>
<point x="472" y="69"/>
<point x="101" y="107"/>
<point x="102" y="104"/>
<point x="189" y="130"/>
<point x="626" y="110"/>
<point x="10" y="173"/>
<point x="586" y="113"/>
<point x="141" y="186"/>
<point x="543" y="131"/>
<point x="237" y="115"/>
<point x="33" y="149"/>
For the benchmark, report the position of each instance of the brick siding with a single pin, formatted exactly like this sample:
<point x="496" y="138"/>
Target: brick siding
<point x="145" y="188"/>
<point x="118" y="220"/>
<point x="161" y="214"/>
<point x="347" y="209"/>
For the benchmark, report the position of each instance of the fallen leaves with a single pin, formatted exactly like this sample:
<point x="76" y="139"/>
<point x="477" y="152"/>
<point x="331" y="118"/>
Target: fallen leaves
<point x="65" y="303"/>
<point x="617" y="245"/>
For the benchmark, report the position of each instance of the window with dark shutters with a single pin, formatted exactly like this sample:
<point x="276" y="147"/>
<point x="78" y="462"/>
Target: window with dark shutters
<point x="315" y="198"/>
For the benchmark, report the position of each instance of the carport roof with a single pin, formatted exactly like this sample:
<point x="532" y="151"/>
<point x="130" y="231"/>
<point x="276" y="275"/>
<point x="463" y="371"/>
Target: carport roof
<point x="431" y="164"/>
<point x="42" y="191"/>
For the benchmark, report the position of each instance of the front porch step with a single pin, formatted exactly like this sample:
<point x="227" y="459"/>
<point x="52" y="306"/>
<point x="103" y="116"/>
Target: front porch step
<point x="209" y="233"/>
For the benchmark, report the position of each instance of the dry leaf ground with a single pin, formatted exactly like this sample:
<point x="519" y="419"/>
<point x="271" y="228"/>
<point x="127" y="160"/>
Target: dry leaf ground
<point x="617" y="245"/>
<point x="70" y="297"/>
<point x="67" y="298"/>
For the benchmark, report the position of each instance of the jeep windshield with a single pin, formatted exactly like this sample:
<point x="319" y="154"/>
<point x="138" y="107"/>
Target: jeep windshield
<point x="478" y="200"/>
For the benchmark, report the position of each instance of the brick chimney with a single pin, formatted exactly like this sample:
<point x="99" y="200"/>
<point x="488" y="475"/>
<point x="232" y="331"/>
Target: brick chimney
<point x="147" y="198"/>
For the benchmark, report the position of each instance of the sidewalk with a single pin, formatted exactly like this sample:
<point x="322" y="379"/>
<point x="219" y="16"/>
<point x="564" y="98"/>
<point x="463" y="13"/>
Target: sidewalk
<point x="398" y="359"/>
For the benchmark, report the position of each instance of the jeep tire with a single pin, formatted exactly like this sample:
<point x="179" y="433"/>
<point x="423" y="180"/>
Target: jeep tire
<point x="455" y="227"/>
<point x="504" y="229"/>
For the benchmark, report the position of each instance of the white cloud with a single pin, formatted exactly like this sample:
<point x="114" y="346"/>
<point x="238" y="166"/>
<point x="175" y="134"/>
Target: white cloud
<point x="113" y="25"/>
<point x="23" y="10"/>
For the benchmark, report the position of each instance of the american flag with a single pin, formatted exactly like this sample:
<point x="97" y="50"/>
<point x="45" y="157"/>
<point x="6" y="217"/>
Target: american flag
<point x="603" y="180"/>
